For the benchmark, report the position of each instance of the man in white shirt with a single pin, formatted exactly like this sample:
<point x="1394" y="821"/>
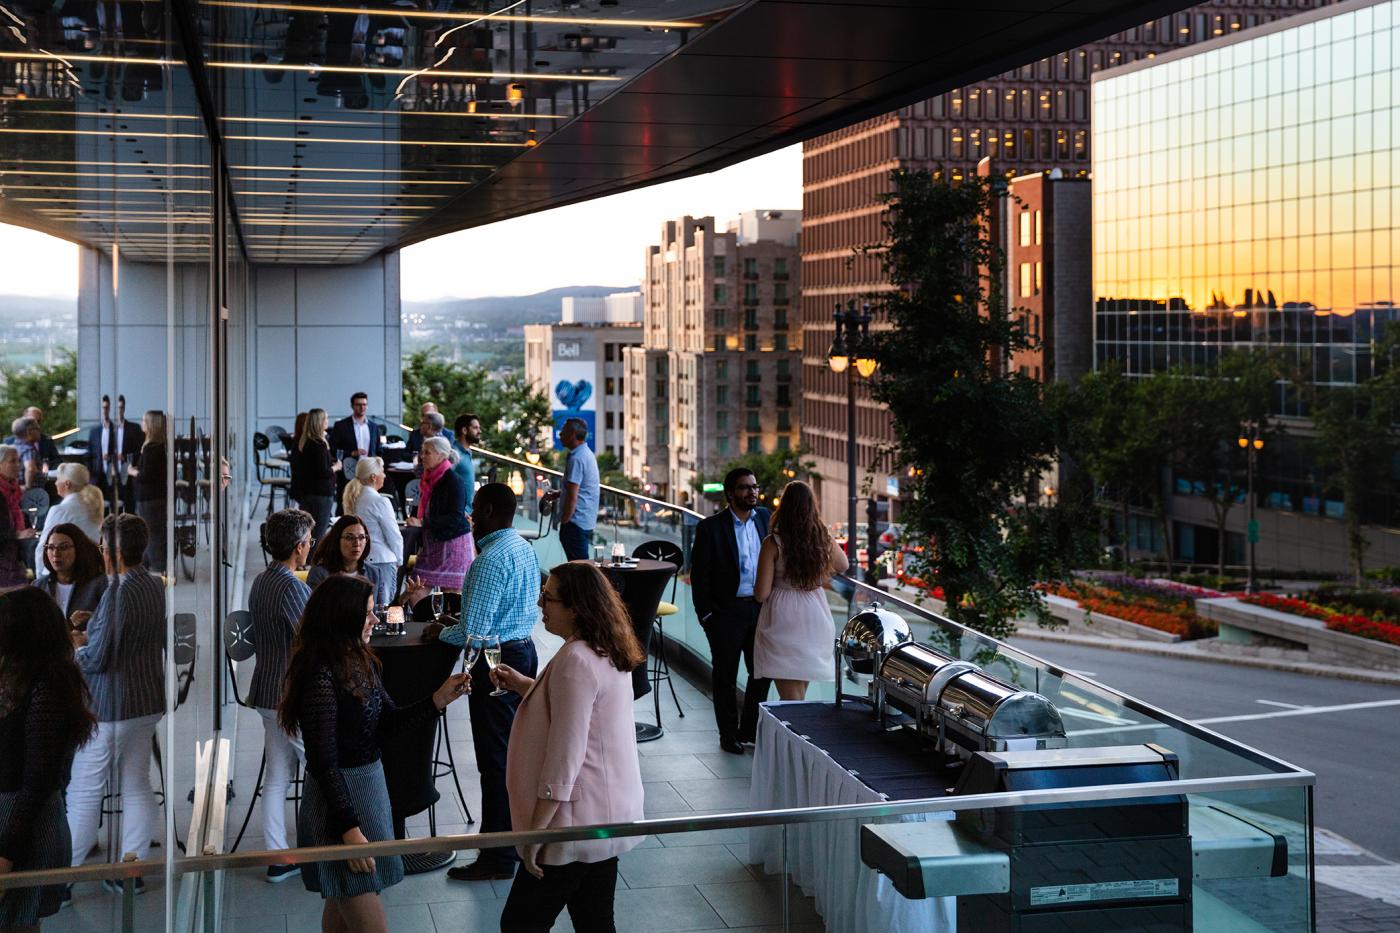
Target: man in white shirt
<point x="356" y="436"/>
<point x="114" y="445"/>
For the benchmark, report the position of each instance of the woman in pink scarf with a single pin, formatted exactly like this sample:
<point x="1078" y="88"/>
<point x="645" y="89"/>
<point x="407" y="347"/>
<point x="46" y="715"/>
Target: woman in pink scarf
<point x="447" y="548"/>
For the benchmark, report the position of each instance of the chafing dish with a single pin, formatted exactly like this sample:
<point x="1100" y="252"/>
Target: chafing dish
<point x="864" y="642"/>
<point x="961" y="707"/>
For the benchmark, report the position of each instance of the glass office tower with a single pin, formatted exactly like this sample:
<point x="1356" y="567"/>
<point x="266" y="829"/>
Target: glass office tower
<point x="1247" y="194"/>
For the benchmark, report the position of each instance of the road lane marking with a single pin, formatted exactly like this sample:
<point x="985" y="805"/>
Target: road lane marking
<point x="1252" y="717"/>
<point x="1096" y="717"/>
<point x="1284" y="705"/>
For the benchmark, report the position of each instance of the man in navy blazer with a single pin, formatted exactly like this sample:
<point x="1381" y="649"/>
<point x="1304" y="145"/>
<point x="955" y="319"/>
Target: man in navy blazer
<point x="723" y="568"/>
<point x="356" y="436"/>
<point x="114" y="444"/>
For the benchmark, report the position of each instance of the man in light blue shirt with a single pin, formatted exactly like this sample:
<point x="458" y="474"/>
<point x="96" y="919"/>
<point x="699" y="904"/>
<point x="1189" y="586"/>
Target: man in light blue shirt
<point x="579" y="511"/>
<point x="500" y="599"/>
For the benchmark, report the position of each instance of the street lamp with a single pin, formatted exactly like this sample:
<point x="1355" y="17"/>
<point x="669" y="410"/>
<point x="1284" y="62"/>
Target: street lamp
<point x="1251" y="441"/>
<point x="852" y="341"/>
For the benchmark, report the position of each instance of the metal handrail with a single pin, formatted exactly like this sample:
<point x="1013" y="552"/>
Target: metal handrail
<point x="547" y="471"/>
<point x="739" y="820"/>
<point x="1278" y="765"/>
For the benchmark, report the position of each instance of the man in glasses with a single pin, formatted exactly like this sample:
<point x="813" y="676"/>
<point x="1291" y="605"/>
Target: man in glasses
<point x="724" y="565"/>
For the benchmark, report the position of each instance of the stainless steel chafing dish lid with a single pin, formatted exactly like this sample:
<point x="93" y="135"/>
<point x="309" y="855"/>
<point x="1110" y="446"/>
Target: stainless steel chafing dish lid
<point x="996" y="710"/>
<point x="870" y="635"/>
<point x="921" y="669"/>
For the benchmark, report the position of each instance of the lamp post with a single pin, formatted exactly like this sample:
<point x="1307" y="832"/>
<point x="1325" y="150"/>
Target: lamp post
<point x="851" y="345"/>
<point x="1251" y="441"/>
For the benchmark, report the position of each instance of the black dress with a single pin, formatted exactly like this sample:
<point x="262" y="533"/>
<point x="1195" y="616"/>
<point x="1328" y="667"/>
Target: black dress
<point x="33" y="822"/>
<point x="150" y="502"/>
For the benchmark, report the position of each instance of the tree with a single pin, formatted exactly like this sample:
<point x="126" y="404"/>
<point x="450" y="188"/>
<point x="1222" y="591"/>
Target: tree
<point x="970" y="433"/>
<point x="610" y="473"/>
<point x="772" y="470"/>
<point x="513" y="414"/>
<point x="53" y="387"/>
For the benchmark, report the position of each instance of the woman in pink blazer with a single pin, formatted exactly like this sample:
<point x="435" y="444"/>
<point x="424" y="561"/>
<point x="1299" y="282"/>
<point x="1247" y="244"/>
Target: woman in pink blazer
<point x="572" y="758"/>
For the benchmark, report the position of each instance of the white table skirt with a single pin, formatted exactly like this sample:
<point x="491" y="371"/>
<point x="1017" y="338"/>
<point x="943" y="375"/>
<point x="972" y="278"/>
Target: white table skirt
<point x="824" y="858"/>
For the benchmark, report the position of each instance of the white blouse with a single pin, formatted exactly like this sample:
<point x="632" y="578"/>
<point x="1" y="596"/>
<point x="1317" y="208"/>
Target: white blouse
<point x="386" y="540"/>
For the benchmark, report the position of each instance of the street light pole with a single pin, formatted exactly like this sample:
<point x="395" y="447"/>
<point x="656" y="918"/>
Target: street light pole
<point x="849" y="354"/>
<point x="1251" y="440"/>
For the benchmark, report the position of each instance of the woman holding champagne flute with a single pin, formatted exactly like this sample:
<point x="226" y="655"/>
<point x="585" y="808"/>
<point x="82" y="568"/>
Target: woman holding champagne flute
<point x="572" y="756"/>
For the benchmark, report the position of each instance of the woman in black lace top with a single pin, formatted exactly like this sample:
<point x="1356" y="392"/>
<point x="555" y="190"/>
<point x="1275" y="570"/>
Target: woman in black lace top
<point x="44" y="717"/>
<point x="335" y="698"/>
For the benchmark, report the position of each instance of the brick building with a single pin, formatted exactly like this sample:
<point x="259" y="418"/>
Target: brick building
<point x="718" y="371"/>
<point x="1033" y="119"/>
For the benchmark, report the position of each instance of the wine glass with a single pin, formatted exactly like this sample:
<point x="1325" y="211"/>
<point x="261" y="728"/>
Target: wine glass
<point x="492" y="649"/>
<point x="599" y="552"/>
<point x="619" y="552"/>
<point x="470" y="652"/>
<point x="435" y="596"/>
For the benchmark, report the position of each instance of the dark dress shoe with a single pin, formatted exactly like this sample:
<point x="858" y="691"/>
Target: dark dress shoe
<point x="733" y="746"/>
<point x="479" y="872"/>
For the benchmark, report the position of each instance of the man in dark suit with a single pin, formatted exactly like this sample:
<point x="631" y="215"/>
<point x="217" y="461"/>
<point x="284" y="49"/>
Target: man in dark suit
<point x="114" y="445"/>
<point x="723" y="567"/>
<point x="356" y="436"/>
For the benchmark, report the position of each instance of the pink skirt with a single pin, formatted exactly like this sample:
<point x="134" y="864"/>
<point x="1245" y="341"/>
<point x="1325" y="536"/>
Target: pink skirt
<point x="444" y="563"/>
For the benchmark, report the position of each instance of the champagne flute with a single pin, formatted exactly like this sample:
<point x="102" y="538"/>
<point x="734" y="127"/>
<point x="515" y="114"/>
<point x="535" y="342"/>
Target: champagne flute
<point x="436" y="597"/>
<point x="470" y="652"/>
<point x="492" y="650"/>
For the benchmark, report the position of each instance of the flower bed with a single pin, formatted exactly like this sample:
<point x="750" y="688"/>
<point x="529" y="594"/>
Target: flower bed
<point x="1337" y="610"/>
<point x="1156" y="605"/>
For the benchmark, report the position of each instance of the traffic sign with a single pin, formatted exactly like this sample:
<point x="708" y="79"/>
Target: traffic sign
<point x="1253" y="533"/>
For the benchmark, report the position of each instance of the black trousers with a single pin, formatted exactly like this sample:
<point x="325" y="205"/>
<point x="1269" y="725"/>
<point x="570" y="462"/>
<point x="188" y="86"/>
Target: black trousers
<point x="730" y="636"/>
<point x="491" y="721"/>
<point x="586" y="888"/>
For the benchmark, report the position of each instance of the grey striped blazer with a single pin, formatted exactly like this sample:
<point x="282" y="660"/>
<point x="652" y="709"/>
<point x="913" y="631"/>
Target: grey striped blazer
<point x="275" y="602"/>
<point x="123" y="658"/>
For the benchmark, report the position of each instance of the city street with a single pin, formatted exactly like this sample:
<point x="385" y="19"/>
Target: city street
<point x="1345" y="732"/>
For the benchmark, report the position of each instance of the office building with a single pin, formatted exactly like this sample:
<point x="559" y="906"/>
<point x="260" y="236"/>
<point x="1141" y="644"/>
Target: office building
<point x="1032" y="119"/>
<point x="581" y="366"/>
<point x="617" y="308"/>
<point x="717" y="373"/>
<point x="1246" y="194"/>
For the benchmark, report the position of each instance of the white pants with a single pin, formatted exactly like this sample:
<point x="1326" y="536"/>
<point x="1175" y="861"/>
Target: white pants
<point x="129" y="743"/>
<point x="282" y="752"/>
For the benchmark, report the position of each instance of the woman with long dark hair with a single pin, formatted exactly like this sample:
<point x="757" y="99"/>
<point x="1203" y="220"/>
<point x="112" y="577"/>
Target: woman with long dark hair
<point x="335" y="698"/>
<point x="343" y="550"/>
<point x="44" y="717"/>
<point x="795" y="629"/>
<point x="572" y="757"/>
<point x="74" y="574"/>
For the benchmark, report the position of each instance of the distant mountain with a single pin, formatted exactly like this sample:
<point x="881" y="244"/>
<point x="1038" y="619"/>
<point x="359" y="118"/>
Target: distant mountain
<point x="29" y="308"/>
<point x="508" y="310"/>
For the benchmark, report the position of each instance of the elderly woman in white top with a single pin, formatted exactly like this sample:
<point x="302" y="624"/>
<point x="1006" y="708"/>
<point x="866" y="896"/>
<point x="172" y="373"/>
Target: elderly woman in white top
<point x="81" y="506"/>
<point x="362" y="500"/>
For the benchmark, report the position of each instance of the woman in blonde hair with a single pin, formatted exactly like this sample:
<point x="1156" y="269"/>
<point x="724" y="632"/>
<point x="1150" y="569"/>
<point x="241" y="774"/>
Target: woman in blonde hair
<point x="149" y="473"/>
<point x="313" y="472"/>
<point x="81" y="506"/>
<point x="362" y="500"/>
<point x="795" y="630"/>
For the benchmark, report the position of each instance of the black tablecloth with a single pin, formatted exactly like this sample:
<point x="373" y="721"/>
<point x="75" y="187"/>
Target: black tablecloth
<point x="412" y="670"/>
<point x="899" y="764"/>
<point x="641" y="588"/>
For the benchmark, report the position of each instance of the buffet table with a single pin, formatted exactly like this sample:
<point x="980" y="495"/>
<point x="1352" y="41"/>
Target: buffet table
<point x="810" y="754"/>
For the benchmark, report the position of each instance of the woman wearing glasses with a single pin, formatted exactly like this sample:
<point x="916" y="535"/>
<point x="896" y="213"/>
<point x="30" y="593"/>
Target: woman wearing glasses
<point x="342" y="551"/>
<point x="73" y="572"/>
<point x="572" y="757"/>
<point x="81" y="504"/>
<point x="335" y="698"/>
<point x="362" y="499"/>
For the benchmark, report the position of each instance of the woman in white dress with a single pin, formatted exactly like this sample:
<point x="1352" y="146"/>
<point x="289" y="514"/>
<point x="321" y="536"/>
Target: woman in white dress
<point x="796" y="631"/>
<point x="82" y="506"/>
<point x="362" y="500"/>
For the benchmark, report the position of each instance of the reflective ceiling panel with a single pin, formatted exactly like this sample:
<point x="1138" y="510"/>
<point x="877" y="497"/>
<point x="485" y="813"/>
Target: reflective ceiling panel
<point x="350" y="128"/>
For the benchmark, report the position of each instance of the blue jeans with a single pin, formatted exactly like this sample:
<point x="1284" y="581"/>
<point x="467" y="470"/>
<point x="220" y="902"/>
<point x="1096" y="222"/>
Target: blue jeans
<point x="575" y="540"/>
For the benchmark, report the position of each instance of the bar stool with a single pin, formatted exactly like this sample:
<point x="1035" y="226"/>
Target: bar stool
<point x="658" y="667"/>
<point x="443" y="768"/>
<point x="238" y="646"/>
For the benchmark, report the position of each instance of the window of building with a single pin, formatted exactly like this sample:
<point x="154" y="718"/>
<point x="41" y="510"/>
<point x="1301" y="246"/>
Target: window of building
<point x="785" y="396"/>
<point x="784" y="420"/>
<point x="938" y="107"/>
<point x="780" y="293"/>
<point x="1025" y="228"/>
<point x="780" y="270"/>
<point x="721" y="395"/>
<point x="608" y="421"/>
<point x="751" y="396"/>
<point x="780" y="342"/>
<point x="661" y="434"/>
<point x="750" y="268"/>
<point x="751" y="421"/>
<point x="1025" y="280"/>
<point x="610" y="385"/>
<point x="783" y="369"/>
<point x="751" y="373"/>
<point x="750" y="319"/>
<point x="751" y="293"/>
<point x="974" y="103"/>
<point x="610" y="353"/>
<point x="751" y="343"/>
<point x="659" y="413"/>
<point x="660" y="389"/>
<point x="1037" y="283"/>
<point x="991" y="100"/>
<point x="1038" y="228"/>
<point x="1027" y="106"/>
<point x="719" y="294"/>
<point x="780" y="319"/>
<point x="721" y="421"/>
<point x="620" y="416"/>
<point x="722" y="445"/>
<point x="660" y="366"/>
<point x="719" y="266"/>
<point x="721" y="369"/>
<point x="937" y="143"/>
<point x="784" y="442"/>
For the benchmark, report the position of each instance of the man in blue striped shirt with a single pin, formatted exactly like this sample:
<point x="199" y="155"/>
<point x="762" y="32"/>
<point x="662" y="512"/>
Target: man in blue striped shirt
<point x="500" y="599"/>
<point x="121" y="655"/>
